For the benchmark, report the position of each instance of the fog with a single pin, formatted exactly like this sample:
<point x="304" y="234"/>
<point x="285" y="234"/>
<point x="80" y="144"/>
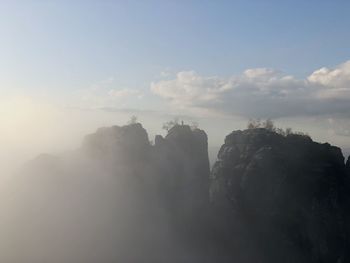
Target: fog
<point x="174" y="131"/>
<point x="72" y="191"/>
<point x="84" y="214"/>
<point x="74" y="206"/>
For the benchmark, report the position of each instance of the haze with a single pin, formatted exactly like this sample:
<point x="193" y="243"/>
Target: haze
<point x="68" y="68"/>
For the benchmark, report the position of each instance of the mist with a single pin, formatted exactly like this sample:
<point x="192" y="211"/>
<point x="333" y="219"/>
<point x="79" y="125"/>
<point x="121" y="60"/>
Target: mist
<point x="68" y="200"/>
<point x="84" y="212"/>
<point x="76" y="187"/>
<point x="174" y="131"/>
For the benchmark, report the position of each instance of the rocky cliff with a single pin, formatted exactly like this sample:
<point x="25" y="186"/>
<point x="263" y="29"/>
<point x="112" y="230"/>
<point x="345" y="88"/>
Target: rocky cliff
<point x="181" y="160"/>
<point x="119" y="198"/>
<point x="292" y="193"/>
<point x="120" y="144"/>
<point x="178" y="163"/>
<point x="269" y="198"/>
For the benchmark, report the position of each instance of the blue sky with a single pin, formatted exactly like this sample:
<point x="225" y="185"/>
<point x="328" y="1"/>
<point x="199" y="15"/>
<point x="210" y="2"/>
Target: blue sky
<point x="215" y="60"/>
<point x="55" y="45"/>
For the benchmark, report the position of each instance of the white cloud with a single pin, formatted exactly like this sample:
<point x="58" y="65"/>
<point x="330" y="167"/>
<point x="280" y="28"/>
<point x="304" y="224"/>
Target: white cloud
<point x="165" y="73"/>
<point x="335" y="83"/>
<point x="189" y="88"/>
<point x="261" y="92"/>
<point x="123" y="93"/>
<point x="105" y="94"/>
<point x="338" y="77"/>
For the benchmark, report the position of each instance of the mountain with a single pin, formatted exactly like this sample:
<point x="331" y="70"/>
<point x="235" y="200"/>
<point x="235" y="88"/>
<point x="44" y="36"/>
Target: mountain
<point x="268" y="198"/>
<point x="292" y="192"/>
<point x="116" y="198"/>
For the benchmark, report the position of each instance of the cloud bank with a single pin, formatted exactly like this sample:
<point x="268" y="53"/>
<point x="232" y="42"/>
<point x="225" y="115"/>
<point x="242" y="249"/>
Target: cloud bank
<point x="105" y="94"/>
<point x="261" y="93"/>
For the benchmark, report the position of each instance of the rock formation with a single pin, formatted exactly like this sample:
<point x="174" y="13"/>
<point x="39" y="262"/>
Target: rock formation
<point x="290" y="190"/>
<point x="269" y="198"/>
<point x="120" y="144"/>
<point x="178" y="163"/>
<point x="182" y="162"/>
<point x="151" y="199"/>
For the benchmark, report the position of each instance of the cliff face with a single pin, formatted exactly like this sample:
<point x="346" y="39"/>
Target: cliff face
<point x="178" y="164"/>
<point x="119" y="144"/>
<point x="269" y="198"/>
<point x="134" y="201"/>
<point x="292" y="192"/>
<point x="181" y="160"/>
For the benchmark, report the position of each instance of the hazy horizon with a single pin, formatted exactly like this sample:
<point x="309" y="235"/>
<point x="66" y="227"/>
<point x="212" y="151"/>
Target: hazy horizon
<point x="86" y="64"/>
<point x="68" y="68"/>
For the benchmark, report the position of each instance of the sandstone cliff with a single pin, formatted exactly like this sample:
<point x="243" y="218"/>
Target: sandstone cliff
<point x="292" y="192"/>
<point x="269" y="198"/>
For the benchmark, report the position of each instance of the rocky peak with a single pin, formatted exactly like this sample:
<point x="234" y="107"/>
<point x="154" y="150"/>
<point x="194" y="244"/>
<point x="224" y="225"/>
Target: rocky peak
<point x="191" y="141"/>
<point x="177" y="163"/>
<point x="275" y="198"/>
<point x="121" y="143"/>
<point x="288" y="185"/>
<point x="182" y="158"/>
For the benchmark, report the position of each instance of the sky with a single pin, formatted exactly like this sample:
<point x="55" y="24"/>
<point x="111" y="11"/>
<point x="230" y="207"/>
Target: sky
<point x="68" y="67"/>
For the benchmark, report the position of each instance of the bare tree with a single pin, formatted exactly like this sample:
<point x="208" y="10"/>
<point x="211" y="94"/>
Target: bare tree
<point x="170" y="124"/>
<point x="133" y="120"/>
<point x="254" y="124"/>
<point x="194" y="125"/>
<point x="280" y="131"/>
<point x="269" y="125"/>
<point x="288" y="131"/>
